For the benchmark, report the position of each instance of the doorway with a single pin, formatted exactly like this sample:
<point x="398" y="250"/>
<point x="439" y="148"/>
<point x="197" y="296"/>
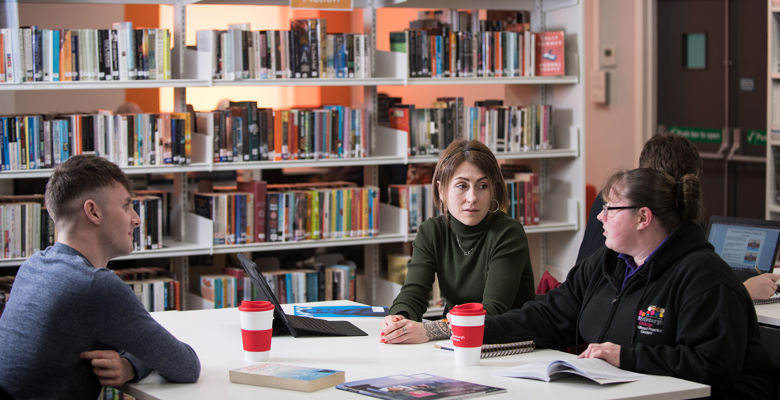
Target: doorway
<point x="711" y="87"/>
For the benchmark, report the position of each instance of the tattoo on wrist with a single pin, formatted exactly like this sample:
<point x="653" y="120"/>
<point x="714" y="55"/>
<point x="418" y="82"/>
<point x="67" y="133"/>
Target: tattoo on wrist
<point x="436" y="330"/>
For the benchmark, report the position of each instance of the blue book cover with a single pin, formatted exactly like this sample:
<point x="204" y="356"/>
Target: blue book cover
<point x="340" y="311"/>
<point x="6" y="163"/>
<point x="55" y="42"/>
<point x="312" y="286"/>
<point x="288" y="282"/>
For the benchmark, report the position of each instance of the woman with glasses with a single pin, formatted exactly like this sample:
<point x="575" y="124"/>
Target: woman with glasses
<point x="675" y="155"/>
<point x="656" y="299"/>
<point x="478" y="253"/>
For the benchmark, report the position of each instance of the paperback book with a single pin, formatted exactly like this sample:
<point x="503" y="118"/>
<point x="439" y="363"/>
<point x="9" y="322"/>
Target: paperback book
<point x="291" y="377"/>
<point x="395" y="387"/>
<point x="495" y="349"/>
<point x="595" y="369"/>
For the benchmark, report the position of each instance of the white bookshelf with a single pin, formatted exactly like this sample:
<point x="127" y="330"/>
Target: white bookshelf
<point x="556" y="238"/>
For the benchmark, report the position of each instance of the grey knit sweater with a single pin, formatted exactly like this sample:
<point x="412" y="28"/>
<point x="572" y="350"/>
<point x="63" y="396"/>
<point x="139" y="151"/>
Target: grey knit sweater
<point x="60" y="306"/>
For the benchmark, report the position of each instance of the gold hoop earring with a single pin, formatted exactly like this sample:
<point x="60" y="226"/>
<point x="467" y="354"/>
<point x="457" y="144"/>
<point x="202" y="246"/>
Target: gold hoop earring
<point x="498" y="206"/>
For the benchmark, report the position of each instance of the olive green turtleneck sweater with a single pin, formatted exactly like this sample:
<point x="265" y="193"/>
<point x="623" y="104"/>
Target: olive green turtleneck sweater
<point x="496" y="272"/>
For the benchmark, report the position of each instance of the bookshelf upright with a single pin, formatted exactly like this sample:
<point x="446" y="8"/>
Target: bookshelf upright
<point x="773" y="112"/>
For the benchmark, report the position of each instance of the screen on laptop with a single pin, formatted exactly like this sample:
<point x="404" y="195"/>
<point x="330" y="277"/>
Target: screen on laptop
<point x="744" y="243"/>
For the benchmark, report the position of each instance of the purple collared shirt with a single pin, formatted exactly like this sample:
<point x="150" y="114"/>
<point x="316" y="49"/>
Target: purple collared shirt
<point x="631" y="267"/>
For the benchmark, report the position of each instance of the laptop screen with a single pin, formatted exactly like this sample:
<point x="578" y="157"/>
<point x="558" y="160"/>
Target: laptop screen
<point x="745" y="243"/>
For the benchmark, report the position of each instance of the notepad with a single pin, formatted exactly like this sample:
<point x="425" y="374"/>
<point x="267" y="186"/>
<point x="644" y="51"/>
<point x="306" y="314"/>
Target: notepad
<point x="496" y="349"/>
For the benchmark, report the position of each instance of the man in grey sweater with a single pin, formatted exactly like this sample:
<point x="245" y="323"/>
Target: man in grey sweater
<point x="70" y="324"/>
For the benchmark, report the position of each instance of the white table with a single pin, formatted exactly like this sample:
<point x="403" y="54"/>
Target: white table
<point x="215" y="336"/>
<point x="769" y="314"/>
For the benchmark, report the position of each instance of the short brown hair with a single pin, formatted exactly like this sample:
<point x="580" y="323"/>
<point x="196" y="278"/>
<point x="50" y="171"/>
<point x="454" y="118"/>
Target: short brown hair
<point x="671" y="153"/>
<point x="476" y="153"/>
<point x="77" y="176"/>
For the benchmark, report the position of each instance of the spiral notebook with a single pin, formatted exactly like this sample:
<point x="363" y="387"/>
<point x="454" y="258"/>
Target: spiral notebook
<point x="496" y="349"/>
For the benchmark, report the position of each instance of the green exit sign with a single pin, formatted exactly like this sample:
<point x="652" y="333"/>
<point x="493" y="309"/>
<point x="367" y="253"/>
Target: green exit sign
<point x="756" y="137"/>
<point x="698" y="134"/>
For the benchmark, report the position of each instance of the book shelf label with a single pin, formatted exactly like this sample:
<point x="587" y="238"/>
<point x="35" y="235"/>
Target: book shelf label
<point x="345" y="5"/>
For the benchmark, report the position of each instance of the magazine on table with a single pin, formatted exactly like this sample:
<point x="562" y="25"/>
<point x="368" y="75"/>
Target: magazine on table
<point x="595" y="369"/>
<point x="416" y="386"/>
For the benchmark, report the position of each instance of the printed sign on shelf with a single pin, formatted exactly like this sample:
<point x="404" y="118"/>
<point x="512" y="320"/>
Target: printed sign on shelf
<point x="322" y="4"/>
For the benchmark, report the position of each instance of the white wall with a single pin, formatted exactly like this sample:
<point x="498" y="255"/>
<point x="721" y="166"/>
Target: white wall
<point x="614" y="131"/>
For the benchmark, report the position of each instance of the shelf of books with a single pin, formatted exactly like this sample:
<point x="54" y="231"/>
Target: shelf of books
<point x="536" y="123"/>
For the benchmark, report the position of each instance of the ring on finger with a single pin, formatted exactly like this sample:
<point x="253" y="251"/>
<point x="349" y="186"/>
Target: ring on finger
<point x="403" y="329"/>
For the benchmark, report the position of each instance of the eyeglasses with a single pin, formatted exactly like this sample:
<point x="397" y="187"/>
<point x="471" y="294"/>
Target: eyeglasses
<point x="605" y="208"/>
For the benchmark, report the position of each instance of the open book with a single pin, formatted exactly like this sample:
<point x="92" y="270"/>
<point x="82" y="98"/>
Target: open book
<point x="594" y="369"/>
<point x="495" y="350"/>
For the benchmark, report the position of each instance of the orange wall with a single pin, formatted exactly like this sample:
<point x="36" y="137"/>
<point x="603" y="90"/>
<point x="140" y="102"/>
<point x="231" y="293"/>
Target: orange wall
<point x="143" y="16"/>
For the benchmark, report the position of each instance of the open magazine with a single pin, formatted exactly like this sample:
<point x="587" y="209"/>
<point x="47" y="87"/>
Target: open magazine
<point x="595" y="369"/>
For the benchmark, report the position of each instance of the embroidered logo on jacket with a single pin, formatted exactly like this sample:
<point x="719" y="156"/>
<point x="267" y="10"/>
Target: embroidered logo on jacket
<point x="651" y="321"/>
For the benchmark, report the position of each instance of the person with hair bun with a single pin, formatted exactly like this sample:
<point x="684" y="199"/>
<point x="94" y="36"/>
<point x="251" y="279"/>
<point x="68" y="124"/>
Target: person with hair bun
<point x="675" y="155"/>
<point x="478" y="253"/>
<point x="656" y="299"/>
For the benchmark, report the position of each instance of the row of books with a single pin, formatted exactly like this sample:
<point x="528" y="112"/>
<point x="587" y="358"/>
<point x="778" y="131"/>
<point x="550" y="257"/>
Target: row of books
<point x="304" y="51"/>
<point x="34" y="54"/>
<point x="502" y="128"/>
<point x="154" y="286"/>
<point x="417" y="199"/>
<point x="25" y="226"/>
<point x="481" y="54"/>
<point x="220" y="289"/>
<point x="318" y="282"/>
<point x="523" y="190"/>
<point x="314" y="213"/>
<point x="334" y="282"/>
<point x="467" y="20"/>
<point x="255" y="211"/>
<point x="44" y="141"/>
<point x="233" y="215"/>
<point x="247" y="133"/>
<point x="149" y="234"/>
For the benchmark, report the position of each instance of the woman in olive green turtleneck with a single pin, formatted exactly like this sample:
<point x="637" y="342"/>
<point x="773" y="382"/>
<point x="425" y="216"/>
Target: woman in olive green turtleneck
<point x="478" y="253"/>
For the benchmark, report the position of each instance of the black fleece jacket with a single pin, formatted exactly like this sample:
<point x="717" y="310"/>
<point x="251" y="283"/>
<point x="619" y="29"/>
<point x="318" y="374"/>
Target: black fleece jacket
<point x="683" y="314"/>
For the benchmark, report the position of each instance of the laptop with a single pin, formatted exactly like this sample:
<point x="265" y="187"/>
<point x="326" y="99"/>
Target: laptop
<point x="749" y="246"/>
<point x="292" y="324"/>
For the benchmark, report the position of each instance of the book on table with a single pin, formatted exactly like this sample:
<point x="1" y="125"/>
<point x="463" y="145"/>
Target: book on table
<point x="291" y="377"/>
<point x="340" y="311"/>
<point x="396" y="387"/>
<point x="595" y="369"/>
<point x="495" y="349"/>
